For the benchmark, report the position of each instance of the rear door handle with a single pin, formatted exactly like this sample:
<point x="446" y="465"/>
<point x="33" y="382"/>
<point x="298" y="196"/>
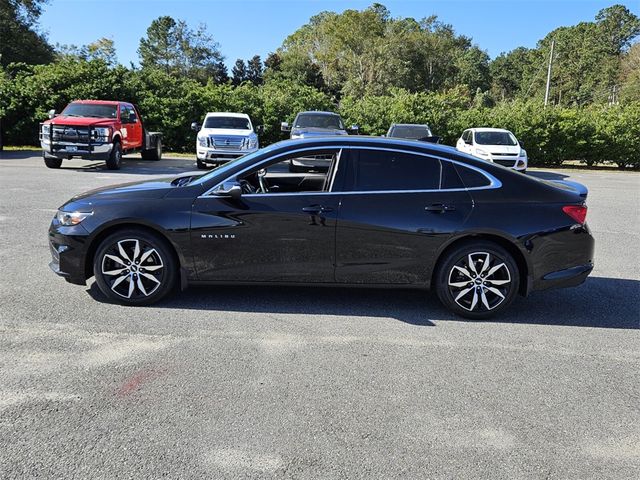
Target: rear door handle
<point x="439" y="208"/>
<point x="317" y="209"/>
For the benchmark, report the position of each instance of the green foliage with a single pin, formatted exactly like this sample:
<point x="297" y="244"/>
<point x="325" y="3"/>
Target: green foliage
<point x="20" y="40"/>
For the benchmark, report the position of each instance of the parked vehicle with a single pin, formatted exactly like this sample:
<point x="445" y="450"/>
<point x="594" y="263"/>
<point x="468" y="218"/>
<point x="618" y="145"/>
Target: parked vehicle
<point x="224" y="136"/>
<point x="387" y="212"/>
<point x="315" y="124"/>
<point x="494" y="145"/>
<point x="97" y="130"/>
<point x="412" y="131"/>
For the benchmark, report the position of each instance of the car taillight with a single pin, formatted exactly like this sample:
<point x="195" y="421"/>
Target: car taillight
<point x="577" y="212"/>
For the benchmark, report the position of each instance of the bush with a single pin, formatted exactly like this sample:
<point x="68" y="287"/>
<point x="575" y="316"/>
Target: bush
<point x="169" y="103"/>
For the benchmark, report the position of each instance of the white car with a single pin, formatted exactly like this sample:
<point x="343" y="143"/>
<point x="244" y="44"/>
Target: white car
<point x="224" y="136"/>
<point x="494" y="145"/>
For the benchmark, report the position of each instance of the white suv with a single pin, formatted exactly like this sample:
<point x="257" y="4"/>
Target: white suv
<point x="224" y="136"/>
<point x="494" y="145"/>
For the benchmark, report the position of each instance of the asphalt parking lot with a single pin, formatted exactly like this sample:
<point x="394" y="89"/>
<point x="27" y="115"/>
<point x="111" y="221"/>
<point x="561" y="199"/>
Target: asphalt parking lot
<point x="268" y="382"/>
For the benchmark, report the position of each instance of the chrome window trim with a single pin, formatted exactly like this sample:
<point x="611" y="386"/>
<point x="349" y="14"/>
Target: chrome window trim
<point x="494" y="183"/>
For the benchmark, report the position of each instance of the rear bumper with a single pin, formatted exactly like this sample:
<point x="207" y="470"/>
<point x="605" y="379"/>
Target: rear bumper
<point x="569" y="277"/>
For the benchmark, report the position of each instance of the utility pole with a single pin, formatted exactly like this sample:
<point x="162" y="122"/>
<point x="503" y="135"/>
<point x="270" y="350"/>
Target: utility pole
<point x="546" y="93"/>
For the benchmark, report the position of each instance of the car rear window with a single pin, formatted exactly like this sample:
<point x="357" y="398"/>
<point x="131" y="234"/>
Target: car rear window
<point x="375" y="170"/>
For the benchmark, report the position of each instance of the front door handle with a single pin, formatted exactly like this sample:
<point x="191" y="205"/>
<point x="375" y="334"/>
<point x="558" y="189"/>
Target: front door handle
<point x="315" y="209"/>
<point x="439" y="208"/>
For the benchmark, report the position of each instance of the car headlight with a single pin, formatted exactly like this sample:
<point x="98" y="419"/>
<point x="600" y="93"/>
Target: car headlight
<point x="46" y="129"/>
<point x="202" y="141"/>
<point x="523" y="153"/>
<point x="71" y="218"/>
<point x="102" y="133"/>
<point x="253" y="142"/>
<point x="480" y="151"/>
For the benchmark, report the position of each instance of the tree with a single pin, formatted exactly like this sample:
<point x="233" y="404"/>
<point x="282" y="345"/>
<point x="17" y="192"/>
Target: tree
<point x="630" y="75"/>
<point x="102" y="49"/>
<point x="176" y="49"/>
<point x="19" y="39"/>
<point x="273" y="62"/>
<point x="239" y="72"/>
<point x="255" y="70"/>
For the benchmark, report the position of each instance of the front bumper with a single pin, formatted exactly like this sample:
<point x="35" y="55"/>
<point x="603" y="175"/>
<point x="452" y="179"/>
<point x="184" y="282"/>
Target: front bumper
<point x="211" y="155"/>
<point x="95" y="151"/>
<point x="68" y="247"/>
<point x="517" y="163"/>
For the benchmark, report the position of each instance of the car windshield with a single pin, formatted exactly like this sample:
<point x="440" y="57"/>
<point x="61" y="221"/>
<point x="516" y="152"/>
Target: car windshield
<point x="495" y="138"/>
<point x="90" y="110"/>
<point x="410" y="131"/>
<point x="233" y="123"/>
<point x="314" y="120"/>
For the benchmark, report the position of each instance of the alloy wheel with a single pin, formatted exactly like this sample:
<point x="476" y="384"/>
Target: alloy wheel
<point x="132" y="268"/>
<point x="479" y="282"/>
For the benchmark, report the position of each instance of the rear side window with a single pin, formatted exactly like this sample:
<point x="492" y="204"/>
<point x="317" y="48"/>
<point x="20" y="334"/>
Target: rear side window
<point x="472" y="178"/>
<point x="374" y="170"/>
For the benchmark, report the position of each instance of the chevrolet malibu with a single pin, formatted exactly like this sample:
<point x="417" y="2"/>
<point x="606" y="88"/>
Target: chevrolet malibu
<point x="388" y="212"/>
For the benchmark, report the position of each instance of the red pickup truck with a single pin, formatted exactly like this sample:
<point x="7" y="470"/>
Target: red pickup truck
<point x="97" y="130"/>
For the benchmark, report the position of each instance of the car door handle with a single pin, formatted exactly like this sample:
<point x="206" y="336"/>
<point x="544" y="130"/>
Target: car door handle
<point x="317" y="209"/>
<point x="439" y="208"/>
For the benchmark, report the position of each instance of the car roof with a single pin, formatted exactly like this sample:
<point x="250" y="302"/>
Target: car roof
<point x="317" y="112"/>
<point x="99" y="102"/>
<point x="364" y="140"/>
<point x="489" y="129"/>
<point x="227" y="114"/>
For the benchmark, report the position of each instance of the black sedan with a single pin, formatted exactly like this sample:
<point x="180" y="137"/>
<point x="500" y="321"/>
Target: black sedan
<point x="388" y="212"/>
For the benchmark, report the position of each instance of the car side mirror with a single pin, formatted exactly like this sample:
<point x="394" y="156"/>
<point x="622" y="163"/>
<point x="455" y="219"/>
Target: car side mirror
<point x="229" y="189"/>
<point x="285" y="127"/>
<point x="52" y="113"/>
<point x="259" y="129"/>
<point x="195" y="127"/>
<point x="521" y="143"/>
<point x="354" y="129"/>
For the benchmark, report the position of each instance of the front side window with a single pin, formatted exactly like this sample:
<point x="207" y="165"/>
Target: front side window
<point x="495" y="138"/>
<point x="231" y="123"/>
<point x="380" y="170"/>
<point x="310" y="171"/>
<point x="90" y="110"/>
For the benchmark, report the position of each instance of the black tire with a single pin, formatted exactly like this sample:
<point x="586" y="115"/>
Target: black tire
<point x="115" y="158"/>
<point x="201" y="165"/>
<point x="452" y="282"/>
<point x="158" y="261"/>
<point x="153" y="153"/>
<point x="52" y="162"/>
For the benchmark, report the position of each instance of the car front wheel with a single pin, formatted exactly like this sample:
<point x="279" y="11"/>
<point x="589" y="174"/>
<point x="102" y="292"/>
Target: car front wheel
<point x="134" y="267"/>
<point x="478" y="280"/>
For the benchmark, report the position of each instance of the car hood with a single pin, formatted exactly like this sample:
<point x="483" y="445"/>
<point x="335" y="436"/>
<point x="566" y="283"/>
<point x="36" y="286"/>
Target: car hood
<point x="226" y="131"/>
<point x="316" y="132"/>
<point x="501" y="148"/>
<point x="148" y="189"/>
<point x="79" y="121"/>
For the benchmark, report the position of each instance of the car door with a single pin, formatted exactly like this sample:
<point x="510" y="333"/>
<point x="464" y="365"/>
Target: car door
<point x="394" y="216"/>
<point x="134" y="128"/>
<point x="281" y="236"/>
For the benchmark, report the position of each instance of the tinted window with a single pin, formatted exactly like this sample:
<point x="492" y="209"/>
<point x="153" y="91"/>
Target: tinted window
<point x="233" y="123"/>
<point x="472" y="178"/>
<point x="450" y="178"/>
<point x="415" y="132"/>
<point x="495" y="138"/>
<point x="90" y="110"/>
<point x="385" y="170"/>
<point x="315" y="120"/>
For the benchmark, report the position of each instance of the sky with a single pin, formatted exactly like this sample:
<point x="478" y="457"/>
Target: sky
<point x="244" y="28"/>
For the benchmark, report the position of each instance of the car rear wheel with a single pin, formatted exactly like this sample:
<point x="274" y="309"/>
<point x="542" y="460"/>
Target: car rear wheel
<point x="153" y="153"/>
<point x="134" y="267"/>
<point x="115" y="158"/>
<point x="52" y="162"/>
<point x="478" y="280"/>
